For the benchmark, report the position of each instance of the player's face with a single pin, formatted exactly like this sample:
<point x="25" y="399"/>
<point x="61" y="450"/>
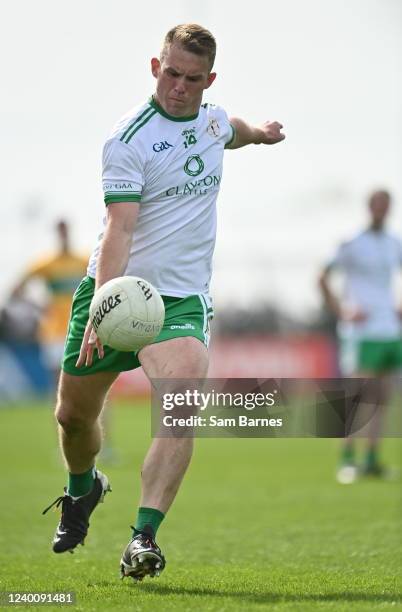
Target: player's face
<point x="379" y="207"/>
<point x="181" y="78"/>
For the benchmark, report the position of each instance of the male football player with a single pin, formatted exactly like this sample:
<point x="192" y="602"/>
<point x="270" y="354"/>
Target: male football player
<point x="368" y="322"/>
<point x="162" y="168"/>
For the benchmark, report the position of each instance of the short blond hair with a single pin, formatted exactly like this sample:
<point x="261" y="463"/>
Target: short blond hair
<point x="193" y="38"/>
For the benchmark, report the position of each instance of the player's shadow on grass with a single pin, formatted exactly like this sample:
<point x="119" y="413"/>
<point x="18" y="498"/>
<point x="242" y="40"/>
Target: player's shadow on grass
<point x="269" y="596"/>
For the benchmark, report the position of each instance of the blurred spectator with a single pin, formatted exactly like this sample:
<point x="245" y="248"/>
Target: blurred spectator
<point x="369" y="326"/>
<point x="61" y="274"/>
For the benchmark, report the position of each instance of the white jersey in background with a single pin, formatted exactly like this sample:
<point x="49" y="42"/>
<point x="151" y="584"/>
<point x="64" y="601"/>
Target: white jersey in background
<point x="173" y="167"/>
<point x="369" y="263"/>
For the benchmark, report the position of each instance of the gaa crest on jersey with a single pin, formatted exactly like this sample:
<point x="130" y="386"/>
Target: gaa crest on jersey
<point x="161" y="146"/>
<point x="213" y="128"/>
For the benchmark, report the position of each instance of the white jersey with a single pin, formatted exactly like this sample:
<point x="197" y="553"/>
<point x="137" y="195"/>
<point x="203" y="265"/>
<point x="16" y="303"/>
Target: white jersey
<point x="369" y="262"/>
<point x="173" y="167"/>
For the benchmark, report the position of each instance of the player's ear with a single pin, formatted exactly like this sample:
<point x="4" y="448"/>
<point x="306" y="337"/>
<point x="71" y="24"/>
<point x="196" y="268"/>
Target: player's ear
<point x="211" y="78"/>
<point x="155" y="66"/>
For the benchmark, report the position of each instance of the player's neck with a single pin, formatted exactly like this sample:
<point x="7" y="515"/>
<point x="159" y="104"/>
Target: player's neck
<point x="186" y="114"/>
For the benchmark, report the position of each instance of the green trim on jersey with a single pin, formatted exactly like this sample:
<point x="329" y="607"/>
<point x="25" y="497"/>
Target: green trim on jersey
<point x="188" y="316"/>
<point x="233" y="136"/>
<point x="116" y="196"/>
<point x="139" y="126"/>
<point x="146" y="111"/>
<point x="162" y="112"/>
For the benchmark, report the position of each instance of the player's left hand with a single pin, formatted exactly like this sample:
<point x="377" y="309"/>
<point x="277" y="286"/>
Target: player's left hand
<point x="90" y="341"/>
<point x="271" y="133"/>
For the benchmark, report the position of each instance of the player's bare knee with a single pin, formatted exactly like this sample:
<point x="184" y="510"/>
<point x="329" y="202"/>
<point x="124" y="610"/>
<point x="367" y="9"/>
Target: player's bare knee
<point x="72" y="421"/>
<point x="177" y="358"/>
<point x="78" y="407"/>
<point x="72" y="415"/>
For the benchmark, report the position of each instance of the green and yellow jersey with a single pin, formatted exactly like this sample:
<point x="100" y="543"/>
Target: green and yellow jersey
<point x="62" y="274"/>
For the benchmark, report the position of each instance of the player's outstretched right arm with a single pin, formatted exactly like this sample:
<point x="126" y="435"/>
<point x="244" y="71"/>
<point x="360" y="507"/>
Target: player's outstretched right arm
<point x="112" y="262"/>
<point x="245" y="134"/>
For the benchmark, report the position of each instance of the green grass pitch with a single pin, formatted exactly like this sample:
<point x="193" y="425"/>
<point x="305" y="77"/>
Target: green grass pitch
<point x="257" y="525"/>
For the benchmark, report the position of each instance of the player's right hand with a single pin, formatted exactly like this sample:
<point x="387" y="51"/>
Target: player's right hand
<point x="89" y="342"/>
<point x="271" y="132"/>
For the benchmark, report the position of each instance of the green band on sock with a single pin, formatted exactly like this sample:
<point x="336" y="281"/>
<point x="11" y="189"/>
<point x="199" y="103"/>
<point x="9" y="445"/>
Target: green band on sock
<point x="348" y="455"/>
<point x="149" y="518"/>
<point x="81" y="484"/>
<point x="371" y="458"/>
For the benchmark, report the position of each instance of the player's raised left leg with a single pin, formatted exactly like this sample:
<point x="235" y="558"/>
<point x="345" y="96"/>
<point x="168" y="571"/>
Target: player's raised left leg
<point x="167" y="459"/>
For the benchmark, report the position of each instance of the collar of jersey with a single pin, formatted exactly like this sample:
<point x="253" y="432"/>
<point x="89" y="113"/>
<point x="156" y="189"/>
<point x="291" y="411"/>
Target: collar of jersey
<point x="160" y="110"/>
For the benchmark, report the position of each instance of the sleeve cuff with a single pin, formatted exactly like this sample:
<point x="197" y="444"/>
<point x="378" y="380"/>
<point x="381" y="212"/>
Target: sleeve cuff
<point x="229" y="142"/>
<point x="121" y="197"/>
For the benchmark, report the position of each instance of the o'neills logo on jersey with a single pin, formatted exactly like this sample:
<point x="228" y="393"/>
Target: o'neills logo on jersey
<point x="107" y="306"/>
<point x="200" y="187"/>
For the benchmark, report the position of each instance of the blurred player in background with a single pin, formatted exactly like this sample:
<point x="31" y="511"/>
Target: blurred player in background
<point x="369" y="324"/>
<point x="61" y="274"/>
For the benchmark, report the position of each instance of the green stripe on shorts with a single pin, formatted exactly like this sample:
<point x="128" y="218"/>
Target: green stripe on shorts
<point x="188" y="316"/>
